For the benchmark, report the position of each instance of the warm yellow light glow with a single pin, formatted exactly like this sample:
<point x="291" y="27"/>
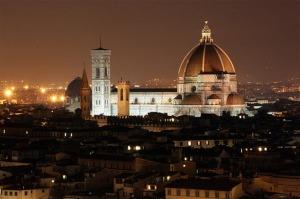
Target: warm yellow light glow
<point x="53" y="98"/>
<point x="260" y="149"/>
<point x="62" y="98"/>
<point x="26" y="87"/>
<point x="8" y="92"/>
<point x="137" y="148"/>
<point x="13" y="88"/>
<point x="43" y="90"/>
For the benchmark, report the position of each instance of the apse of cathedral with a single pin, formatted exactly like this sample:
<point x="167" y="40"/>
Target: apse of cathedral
<point x="206" y="84"/>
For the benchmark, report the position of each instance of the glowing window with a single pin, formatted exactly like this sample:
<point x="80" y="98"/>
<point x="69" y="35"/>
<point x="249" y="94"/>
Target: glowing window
<point x="137" y="148"/>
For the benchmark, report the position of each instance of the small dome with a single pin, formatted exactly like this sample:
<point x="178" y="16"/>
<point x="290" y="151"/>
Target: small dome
<point x="192" y="100"/>
<point x="235" y="99"/>
<point x="213" y="96"/>
<point x="73" y="89"/>
<point x="205" y="58"/>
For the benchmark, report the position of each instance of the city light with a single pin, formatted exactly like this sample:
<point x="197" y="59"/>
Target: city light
<point x="64" y="177"/>
<point x="13" y="88"/>
<point x="43" y="90"/>
<point x="137" y="148"/>
<point x="62" y="98"/>
<point x="8" y="93"/>
<point x="53" y="98"/>
<point x="260" y="149"/>
<point x="26" y="87"/>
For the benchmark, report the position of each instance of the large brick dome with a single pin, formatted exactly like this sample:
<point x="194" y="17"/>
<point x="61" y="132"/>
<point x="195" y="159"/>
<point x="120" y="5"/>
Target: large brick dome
<point x="205" y="58"/>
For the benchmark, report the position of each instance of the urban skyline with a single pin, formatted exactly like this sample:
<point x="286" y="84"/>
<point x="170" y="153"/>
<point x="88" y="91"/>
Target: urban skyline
<point x="149" y="99"/>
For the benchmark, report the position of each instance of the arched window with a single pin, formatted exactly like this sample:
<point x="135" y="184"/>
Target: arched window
<point x="105" y="71"/>
<point x="127" y="95"/>
<point x="169" y="100"/>
<point x="193" y="89"/>
<point x="121" y="94"/>
<point x="97" y="72"/>
<point x="136" y="100"/>
<point x="153" y="100"/>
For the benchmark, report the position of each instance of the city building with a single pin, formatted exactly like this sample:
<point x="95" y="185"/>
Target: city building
<point x="204" y="188"/>
<point x="17" y="192"/>
<point x="276" y="183"/>
<point x="85" y="93"/>
<point x="206" y="83"/>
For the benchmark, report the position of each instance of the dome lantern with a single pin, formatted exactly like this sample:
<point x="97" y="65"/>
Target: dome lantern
<point x="206" y="34"/>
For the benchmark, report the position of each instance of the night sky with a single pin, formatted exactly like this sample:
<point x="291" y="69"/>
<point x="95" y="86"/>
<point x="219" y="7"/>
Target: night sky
<point x="44" y="41"/>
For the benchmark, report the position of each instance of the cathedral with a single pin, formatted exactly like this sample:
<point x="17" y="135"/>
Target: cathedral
<point x="206" y="84"/>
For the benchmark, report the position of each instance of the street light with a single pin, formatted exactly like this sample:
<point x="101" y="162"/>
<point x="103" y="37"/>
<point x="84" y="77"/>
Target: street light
<point x="8" y="93"/>
<point x="26" y="87"/>
<point x="43" y="90"/>
<point x="53" y="98"/>
<point x="62" y="98"/>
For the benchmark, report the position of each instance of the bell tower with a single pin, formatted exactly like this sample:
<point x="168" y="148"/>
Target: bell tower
<point x="100" y="58"/>
<point x="123" y="98"/>
<point x="85" y="96"/>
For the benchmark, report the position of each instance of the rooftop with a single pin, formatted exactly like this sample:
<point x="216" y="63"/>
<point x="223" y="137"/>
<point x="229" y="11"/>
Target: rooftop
<point x="221" y="184"/>
<point x="137" y="90"/>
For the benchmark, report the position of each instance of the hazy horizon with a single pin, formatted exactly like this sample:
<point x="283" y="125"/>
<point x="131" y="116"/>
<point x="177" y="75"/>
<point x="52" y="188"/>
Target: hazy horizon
<point x="43" y="41"/>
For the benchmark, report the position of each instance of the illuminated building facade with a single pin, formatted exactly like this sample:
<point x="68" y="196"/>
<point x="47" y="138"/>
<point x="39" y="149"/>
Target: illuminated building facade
<point x="206" y="84"/>
<point x="85" y="93"/>
<point x="101" y="81"/>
